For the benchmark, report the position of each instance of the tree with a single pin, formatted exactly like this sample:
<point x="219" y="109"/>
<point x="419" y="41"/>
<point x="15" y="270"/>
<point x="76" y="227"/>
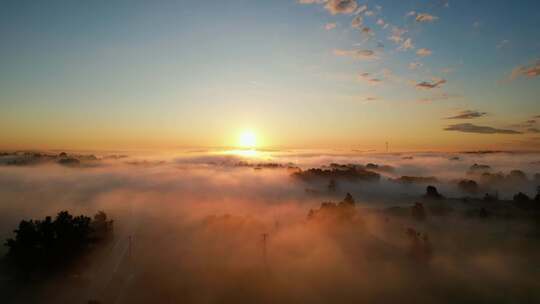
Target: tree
<point x="332" y="187"/>
<point x="418" y="212"/>
<point x="521" y="198"/>
<point x="469" y="186"/>
<point x="43" y="244"/>
<point x="432" y="192"/>
<point x="349" y="199"/>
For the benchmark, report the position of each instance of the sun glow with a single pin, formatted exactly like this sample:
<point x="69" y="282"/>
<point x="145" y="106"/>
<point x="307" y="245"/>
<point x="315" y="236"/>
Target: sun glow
<point x="247" y="140"/>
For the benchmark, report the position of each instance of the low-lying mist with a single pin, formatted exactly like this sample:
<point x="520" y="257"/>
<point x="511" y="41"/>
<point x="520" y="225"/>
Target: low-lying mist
<point x="222" y="228"/>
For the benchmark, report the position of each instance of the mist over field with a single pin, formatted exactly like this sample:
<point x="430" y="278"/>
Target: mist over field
<point x="207" y="227"/>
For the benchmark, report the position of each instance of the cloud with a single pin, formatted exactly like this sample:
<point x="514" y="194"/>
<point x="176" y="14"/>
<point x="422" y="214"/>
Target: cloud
<point x="527" y="71"/>
<point x="356" y="54"/>
<point x="423" y="52"/>
<point x="447" y="70"/>
<point x="397" y="35"/>
<point x="367" y="31"/>
<point x="424" y="85"/>
<point x="311" y="1"/>
<point x="533" y="130"/>
<point x="341" y="6"/>
<point x="361" y="9"/>
<point x="330" y="26"/>
<point x="406" y="45"/>
<point x="381" y="22"/>
<point x="369" y="99"/>
<point x="357" y="22"/>
<point x="468" y="114"/>
<point x="503" y="44"/>
<point x="414" y="65"/>
<point x="369" y="13"/>
<point x="425" y="18"/>
<point x="470" y="128"/>
<point x="411" y="13"/>
<point x="335" y="6"/>
<point x="437" y="97"/>
<point x="367" y="78"/>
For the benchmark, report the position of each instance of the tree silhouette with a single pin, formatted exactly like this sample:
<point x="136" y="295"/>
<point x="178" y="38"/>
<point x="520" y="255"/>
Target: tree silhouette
<point x="332" y="186"/>
<point x="46" y="244"/>
<point x="432" y="192"/>
<point x="521" y="198"/>
<point x="418" y="212"/>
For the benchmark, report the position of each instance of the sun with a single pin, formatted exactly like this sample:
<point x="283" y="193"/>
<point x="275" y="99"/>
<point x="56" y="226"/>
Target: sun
<point x="247" y="140"/>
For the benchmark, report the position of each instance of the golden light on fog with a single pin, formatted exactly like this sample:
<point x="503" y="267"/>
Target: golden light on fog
<point x="247" y="140"/>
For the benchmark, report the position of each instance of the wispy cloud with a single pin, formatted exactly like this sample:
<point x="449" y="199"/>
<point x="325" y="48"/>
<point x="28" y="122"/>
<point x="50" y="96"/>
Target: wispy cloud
<point x="361" y="9"/>
<point x="470" y="128"/>
<point x="503" y="44"/>
<point x="357" y="22"/>
<point x="367" y="32"/>
<point x="425" y="18"/>
<point x="415" y="65"/>
<point x="528" y="71"/>
<point x="397" y="35"/>
<point x="425" y="85"/>
<point x="330" y="26"/>
<point x="356" y="54"/>
<point x="335" y="6"/>
<point x="311" y="1"/>
<point x="437" y="97"/>
<point x="341" y="6"/>
<point x="369" y="79"/>
<point x="423" y="52"/>
<point x="406" y="45"/>
<point x="468" y="114"/>
<point x="370" y="99"/>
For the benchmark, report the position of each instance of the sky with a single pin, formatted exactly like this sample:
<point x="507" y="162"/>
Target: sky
<point x="421" y="75"/>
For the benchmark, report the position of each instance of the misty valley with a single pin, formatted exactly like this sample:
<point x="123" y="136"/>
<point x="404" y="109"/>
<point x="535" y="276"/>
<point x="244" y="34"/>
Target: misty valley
<point x="279" y="226"/>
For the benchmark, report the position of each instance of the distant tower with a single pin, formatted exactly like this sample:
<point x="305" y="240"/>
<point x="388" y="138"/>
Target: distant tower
<point x="129" y="248"/>
<point x="265" y="240"/>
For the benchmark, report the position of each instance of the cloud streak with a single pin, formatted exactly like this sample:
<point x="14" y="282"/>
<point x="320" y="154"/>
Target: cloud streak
<point x="471" y="128"/>
<point x="356" y="54"/>
<point x="423" y="52"/>
<point x="330" y="26"/>
<point x="424" y="85"/>
<point x="527" y="71"/>
<point x="367" y="78"/>
<point x="341" y="6"/>
<point x="425" y="18"/>
<point x="468" y="114"/>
